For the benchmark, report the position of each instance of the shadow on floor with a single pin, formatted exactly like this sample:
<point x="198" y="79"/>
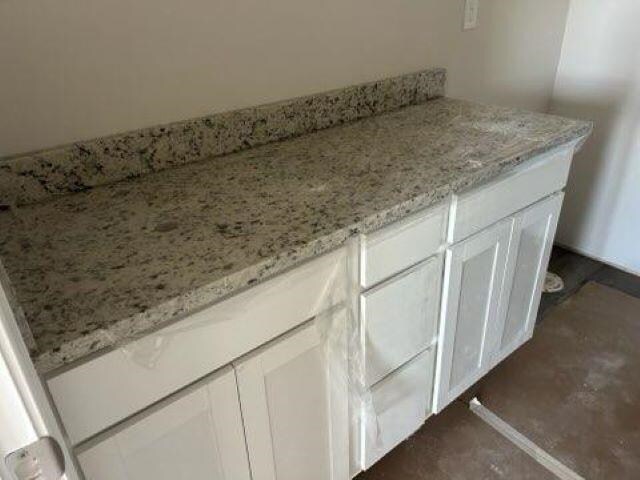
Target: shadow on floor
<point x="577" y="270"/>
<point x="573" y="389"/>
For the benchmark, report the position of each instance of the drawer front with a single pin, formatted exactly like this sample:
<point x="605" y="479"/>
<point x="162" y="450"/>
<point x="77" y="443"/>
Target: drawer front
<point x="399" y="318"/>
<point x="486" y="205"/>
<point x="400" y="405"/>
<point x="398" y="246"/>
<point x="113" y="386"/>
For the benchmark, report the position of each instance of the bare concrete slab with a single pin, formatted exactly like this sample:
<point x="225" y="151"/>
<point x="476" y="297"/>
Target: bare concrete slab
<point x="456" y="445"/>
<point x="574" y="389"/>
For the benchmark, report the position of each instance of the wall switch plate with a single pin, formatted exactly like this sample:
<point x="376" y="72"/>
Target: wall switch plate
<point x="471" y="8"/>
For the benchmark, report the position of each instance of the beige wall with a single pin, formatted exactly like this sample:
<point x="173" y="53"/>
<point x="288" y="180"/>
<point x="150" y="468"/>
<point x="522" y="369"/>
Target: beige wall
<point x="599" y="78"/>
<point x="76" y="69"/>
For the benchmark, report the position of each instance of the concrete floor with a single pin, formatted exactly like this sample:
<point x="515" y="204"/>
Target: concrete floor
<point x="574" y="390"/>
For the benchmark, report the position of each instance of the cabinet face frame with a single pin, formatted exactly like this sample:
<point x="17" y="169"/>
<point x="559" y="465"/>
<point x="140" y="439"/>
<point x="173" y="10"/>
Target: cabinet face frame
<point x="545" y="213"/>
<point x="496" y="239"/>
<point x="252" y="375"/>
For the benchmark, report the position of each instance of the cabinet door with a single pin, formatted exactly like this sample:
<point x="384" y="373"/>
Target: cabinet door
<point x="294" y="401"/>
<point x="198" y="435"/>
<point x="472" y="285"/>
<point x="533" y="233"/>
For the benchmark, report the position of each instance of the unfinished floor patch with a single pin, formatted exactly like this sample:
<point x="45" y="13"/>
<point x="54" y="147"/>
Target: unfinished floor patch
<point x="456" y="445"/>
<point x="574" y="389"/>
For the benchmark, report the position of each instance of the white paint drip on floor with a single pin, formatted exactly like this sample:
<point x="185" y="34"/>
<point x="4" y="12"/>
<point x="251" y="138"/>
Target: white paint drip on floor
<point x="551" y="463"/>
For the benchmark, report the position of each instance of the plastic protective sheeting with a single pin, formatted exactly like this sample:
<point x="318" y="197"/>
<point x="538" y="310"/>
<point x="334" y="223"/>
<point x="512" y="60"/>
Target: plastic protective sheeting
<point x="338" y="322"/>
<point x="334" y="325"/>
<point x="123" y="382"/>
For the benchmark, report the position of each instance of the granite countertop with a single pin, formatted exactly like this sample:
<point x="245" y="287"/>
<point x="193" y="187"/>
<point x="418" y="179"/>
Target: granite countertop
<point x="93" y="269"/>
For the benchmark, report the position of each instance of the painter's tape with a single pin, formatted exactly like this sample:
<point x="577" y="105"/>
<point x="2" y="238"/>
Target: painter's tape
<point x="551" y="463"/>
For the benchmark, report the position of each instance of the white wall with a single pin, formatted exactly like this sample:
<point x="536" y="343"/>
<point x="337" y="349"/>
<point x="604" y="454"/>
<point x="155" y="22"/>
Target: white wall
<point x="77" y="69"/>
<point x="599" y="78"/>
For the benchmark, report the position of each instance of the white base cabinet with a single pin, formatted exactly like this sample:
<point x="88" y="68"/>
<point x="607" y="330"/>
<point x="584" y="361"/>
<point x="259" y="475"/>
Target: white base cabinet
<point x="198" y="435"/>
<point x="493" y="282"/>
<point x="295" y="407"/>
<point x="280" y="408"/>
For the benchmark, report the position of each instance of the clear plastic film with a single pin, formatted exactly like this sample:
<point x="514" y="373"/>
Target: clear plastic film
<point x="333" y="300"/>
<point x="342" y="333"/>
<point x="391" y="352"/>
<point x="158" y="365"/>
<point x="329" y="301"/>
<point x="328" y="293"/>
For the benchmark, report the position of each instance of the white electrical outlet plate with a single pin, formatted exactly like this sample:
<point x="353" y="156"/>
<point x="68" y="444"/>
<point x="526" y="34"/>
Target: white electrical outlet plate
<point x="471" y="8"/>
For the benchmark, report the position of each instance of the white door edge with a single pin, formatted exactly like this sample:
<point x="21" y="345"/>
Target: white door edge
<point x="25" y="412"/>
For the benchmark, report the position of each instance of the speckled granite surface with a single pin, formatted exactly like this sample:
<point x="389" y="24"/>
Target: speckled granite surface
<point x="80" y="166"/>
<point x="98" y="267"/>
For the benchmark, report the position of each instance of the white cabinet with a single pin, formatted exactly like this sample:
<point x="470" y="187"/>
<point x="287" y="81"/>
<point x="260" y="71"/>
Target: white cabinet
<point x="531" y="244"/>
<point x="472" y="286"/>
<point x="197" y="435"/>
<point x="493" y="283"/>
<point x="95" y="395"/>
<point x="282" y="411"/>
<point x="294" y="398"/>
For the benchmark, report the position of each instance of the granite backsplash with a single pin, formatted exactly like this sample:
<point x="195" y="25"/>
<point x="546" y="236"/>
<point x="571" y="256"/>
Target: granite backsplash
<point x="35" y="177"/>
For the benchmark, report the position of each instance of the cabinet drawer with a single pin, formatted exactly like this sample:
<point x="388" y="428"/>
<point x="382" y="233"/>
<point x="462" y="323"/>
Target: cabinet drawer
<point x="484" y="206"/>
<point x="398" y="246"/>
<point x="399" y="318"/>
<point x="400" y="404"/>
